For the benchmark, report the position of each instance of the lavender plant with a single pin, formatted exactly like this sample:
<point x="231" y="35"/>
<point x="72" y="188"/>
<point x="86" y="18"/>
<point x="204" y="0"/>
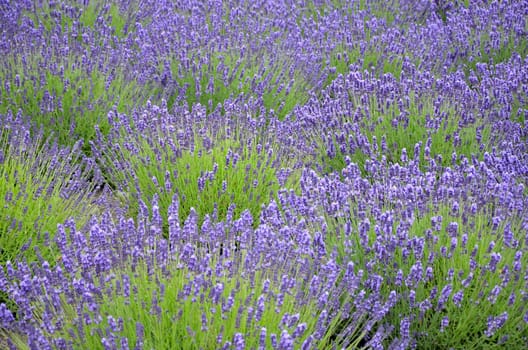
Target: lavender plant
<point x="417" y="125"/>
<point x="77" y="76"/>
<point x="219" y="76"/>
<point x="143" y="290"/>
<point x="42" y="185"/>
<point x="69" y="96"/>
<point x="208" y="171"/>
<point x="448" y="253"/>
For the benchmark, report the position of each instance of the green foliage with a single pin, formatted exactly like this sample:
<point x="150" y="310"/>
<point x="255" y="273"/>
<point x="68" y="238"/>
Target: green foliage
<point x="67" y="99"/>
<point x="41" y="187"/>
<point x="206" y="176"/>
<point x="180" y="326"/>
<point x="444" y="128"/>
<point x="38" y="185"/>
<point x="223" y="75"/>
<point x="117" y="15"/>
<point x="372" y="60"/>
<point x="41" y="15"/>
<point x="490" y="55"/>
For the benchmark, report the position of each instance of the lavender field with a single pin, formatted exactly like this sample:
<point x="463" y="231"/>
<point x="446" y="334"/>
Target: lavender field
<point x="293" y="174"/>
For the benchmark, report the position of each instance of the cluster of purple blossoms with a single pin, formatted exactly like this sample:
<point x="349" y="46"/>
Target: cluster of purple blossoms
<point x="287" y="175"/>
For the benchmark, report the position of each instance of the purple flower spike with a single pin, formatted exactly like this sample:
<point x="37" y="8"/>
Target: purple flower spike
<point x="140" y="332"/>
<point x="444" y="323"/>
<point x="458" y="297"/>
<point x="444" y="296"/>
<point x="495" y="323"/>
<point x="286" y="341"/>
<point x="405" y="327"/>
<point x="239" y="342"/>
<point x="307" y="344"/>
<point x="273" y="338"/>
<point x="262" y="338"/>
<point x="6" y="317"/>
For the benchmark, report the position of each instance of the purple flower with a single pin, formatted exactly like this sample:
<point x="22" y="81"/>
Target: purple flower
<point x="415" y="275"/>
<point x="115" y="326"/>
<point x="273" y="338"/>
<point x="508" y="236"/>
<point x="265" y="286"/>
<point x="108" y="343"/>
<point x="412" y="297"/>
<point x="454" y="242"/>
<point x="323" y="299"/>
<point x="444" y="323"/>
<point x="124" y="343"/>
<point x="399" y="278"/>
<point x="452" y="229"/>
<point x="494" y="260"/>
<point x="457" y="298"/>
<point x="517" y="261"/>
<point x="6" y="317"/>
<point x="299" y="330"/>
<point x="204" y="322"/>
<point x="286" y="341"/>
<point x="443" y="251"/>
<point x="321" y="324"/>
<point x="444" y="296"/>
<point x="307" y="344"/>
<point x="239" y="342"/>
<point x="464" y="240"/>
<point x="216" y="292"/>
<point x="511" y="299"/>
<point x="262" y="338"/>
<point x="315" y="284"/>
<point x="495" y="323"/>
<point x="140" y="332"/>
<point x="405" y="328"/>
<point x="429" y="273"/>
<point x="494" y="294"/>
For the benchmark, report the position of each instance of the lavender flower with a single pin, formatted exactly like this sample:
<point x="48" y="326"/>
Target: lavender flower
<point x="239" y="342"/>
<point x="6" y="317"/>
<point x="495" y="323"/>
<point x="405" y="325"/>
<point x="262" y="338"/>
<point x="273" y="338"/>
<point x="458" y="297"/>
<point x="307" y="344"/>
<point x="444" y="296"/>
<point x="492" y="298"/>
<point x="286" y="341"/>
<point x="444" y="323"/>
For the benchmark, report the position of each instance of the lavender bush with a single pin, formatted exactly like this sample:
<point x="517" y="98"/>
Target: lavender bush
<point x="263" y="175"/>
<point x="212" y="163"/>
<point x="42" y="185"/>
<point x="61" y="68"/>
